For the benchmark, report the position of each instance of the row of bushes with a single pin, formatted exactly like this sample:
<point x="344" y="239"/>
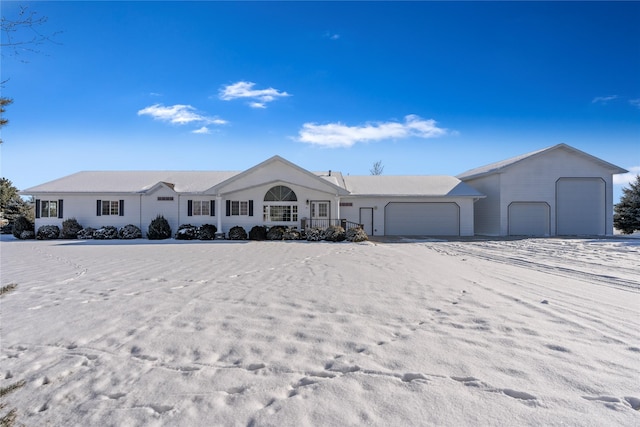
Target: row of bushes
<point x="160" y="229"/>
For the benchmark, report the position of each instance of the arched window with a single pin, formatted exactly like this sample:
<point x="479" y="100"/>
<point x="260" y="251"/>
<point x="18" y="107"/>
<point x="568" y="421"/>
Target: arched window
<point x="279" y="206"/>
<point x="280" y="193"/>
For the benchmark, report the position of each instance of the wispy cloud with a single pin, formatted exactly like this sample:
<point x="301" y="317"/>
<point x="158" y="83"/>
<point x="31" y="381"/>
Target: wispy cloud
<point x="627" y="178"/>
<point x="603" y="99"/>
<point x="331" y="36"/>
<point x="335" y="135"/>
<point x="179" y="114"/>
<point x="203" y="130"/>
<point x="259" y="97"/>
<point x="635" y="102"/>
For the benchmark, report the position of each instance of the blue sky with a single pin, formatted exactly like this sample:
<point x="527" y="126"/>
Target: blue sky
<point x="424" y="87"/>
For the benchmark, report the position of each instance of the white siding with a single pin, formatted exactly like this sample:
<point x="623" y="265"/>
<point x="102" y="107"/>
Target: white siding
<point x="534" y="180"/>
<point x="83" y="209"/>
<point x="486" y="211"/>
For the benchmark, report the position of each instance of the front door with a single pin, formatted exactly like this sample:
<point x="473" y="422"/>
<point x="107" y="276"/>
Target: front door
<point x="320" y="213"/>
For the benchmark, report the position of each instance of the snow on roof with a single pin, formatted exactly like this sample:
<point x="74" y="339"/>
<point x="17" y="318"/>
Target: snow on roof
<point x="503" y="164"/>
<point x="405" y="185"/>
<point x="131" y="181"/>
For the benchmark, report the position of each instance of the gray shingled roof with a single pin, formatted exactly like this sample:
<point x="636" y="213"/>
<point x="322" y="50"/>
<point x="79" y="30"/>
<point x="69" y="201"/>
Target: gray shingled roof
<point x="503" y="164"/>
<point x="131" y="181"/>
<point x="418" y="185"/>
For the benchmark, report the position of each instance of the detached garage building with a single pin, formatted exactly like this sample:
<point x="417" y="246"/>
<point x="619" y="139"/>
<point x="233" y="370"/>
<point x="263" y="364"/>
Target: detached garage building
<point x="551" y="192"/>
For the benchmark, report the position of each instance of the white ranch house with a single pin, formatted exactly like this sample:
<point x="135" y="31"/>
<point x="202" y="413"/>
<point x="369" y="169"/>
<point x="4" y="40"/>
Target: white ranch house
<point x="558" y="190"/>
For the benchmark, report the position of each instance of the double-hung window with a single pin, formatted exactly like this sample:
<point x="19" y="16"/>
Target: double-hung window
<point x="48" y="208"/>
<point x="239" y="208"/>
<point x="201" y="207"/>
<point x="110" y="207"/>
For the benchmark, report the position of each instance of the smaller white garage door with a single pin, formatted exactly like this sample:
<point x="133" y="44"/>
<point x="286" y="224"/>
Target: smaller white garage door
<point x="429" y="219"/>
<point x="529" y="219"/>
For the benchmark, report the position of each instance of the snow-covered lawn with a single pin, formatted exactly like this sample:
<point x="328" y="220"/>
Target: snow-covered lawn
<point x="495" y="332"/>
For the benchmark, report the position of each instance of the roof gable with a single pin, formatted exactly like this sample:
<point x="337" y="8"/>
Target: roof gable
<point x="501" y="166"/>
<point x="273" y="170"/>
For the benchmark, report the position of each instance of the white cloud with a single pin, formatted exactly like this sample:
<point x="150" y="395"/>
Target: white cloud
<point x="635" y="102"/>
<point x="245" y="90"/>
<point x="339" y="135"/>
<point x="626" y="178"/>
<point x="203" y="130"/>
<point x="178" y="114"/>
<point x="603" y="99"/>
<point x="332" y="36"/>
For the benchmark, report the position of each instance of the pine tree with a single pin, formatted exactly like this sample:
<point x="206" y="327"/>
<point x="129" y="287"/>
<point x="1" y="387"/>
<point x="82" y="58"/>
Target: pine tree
<point x="627" y="213"/>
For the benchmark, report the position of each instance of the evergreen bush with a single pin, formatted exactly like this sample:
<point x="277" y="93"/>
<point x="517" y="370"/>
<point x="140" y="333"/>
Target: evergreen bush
<point x="48" y="232"/>
<point x="129" y="232"/>
<point x="356" y="234"/>
<point x="207" y="232"/>
<point x="159" y="229"/>
<point x="237" y="233"/>
<point x="187" y="232"/>
<point x="20" y="225"/>
<point x="70" y="228"/>
<point x="258" y="232"/>
<point x="107" y="232"/>
<point x="86" y="233"/>
<point x="334" y="233"/>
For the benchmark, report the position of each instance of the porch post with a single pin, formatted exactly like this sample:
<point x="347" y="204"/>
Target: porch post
<point x="219" y="233"/>
<point x="338" y="207"/>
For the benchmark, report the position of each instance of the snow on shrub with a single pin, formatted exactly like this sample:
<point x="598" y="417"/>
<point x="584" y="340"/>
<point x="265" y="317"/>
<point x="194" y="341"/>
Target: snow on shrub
<point x="334" y="233"/>
<point x="187" y="232"/>
<point x="129" y="232"/>
<point x="237" y="233"/>
<point x="48" y="232"/>
<point x="314" y="234"/>
<point x="356" y="234"/>
<point x="86" y="233"/>
<point x="207" y="232"/>
<point x="108" y="232"/>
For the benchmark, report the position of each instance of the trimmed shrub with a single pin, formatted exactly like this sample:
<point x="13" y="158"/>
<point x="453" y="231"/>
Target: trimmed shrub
<point x="207" y="232"/>
<point x="334" y="233"/>
<point x="237" y="233"/>
<point x="20" y="225"/>
<point x="86" y="233"/>
<point x="291" y="234"/>
<point x="70" y="228"/>
<point x="314" y="234"/>
<point x="187" y="232"/>
<point x="258" y="232"/>
<point x="129" y="232"/>
<point x="48" y="232"/>
<point x="275" y="233"/>
<point x="159" y="229"/>
<point x="356" y="234"/>
<point x="27" y="235"/>
<point x="108" y="232"/>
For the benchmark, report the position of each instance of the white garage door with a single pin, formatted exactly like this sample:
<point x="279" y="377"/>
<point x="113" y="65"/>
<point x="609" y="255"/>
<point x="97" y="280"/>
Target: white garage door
<point x="429" y="219"/>
<point x="581" y="204"/>
<point x="529" y="219"/>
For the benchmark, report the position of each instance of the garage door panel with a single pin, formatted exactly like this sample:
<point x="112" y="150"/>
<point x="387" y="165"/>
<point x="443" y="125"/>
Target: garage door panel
<point x="529" y="219"/>
<point x="433" y="219"/>
<point x="581" y="204"/>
